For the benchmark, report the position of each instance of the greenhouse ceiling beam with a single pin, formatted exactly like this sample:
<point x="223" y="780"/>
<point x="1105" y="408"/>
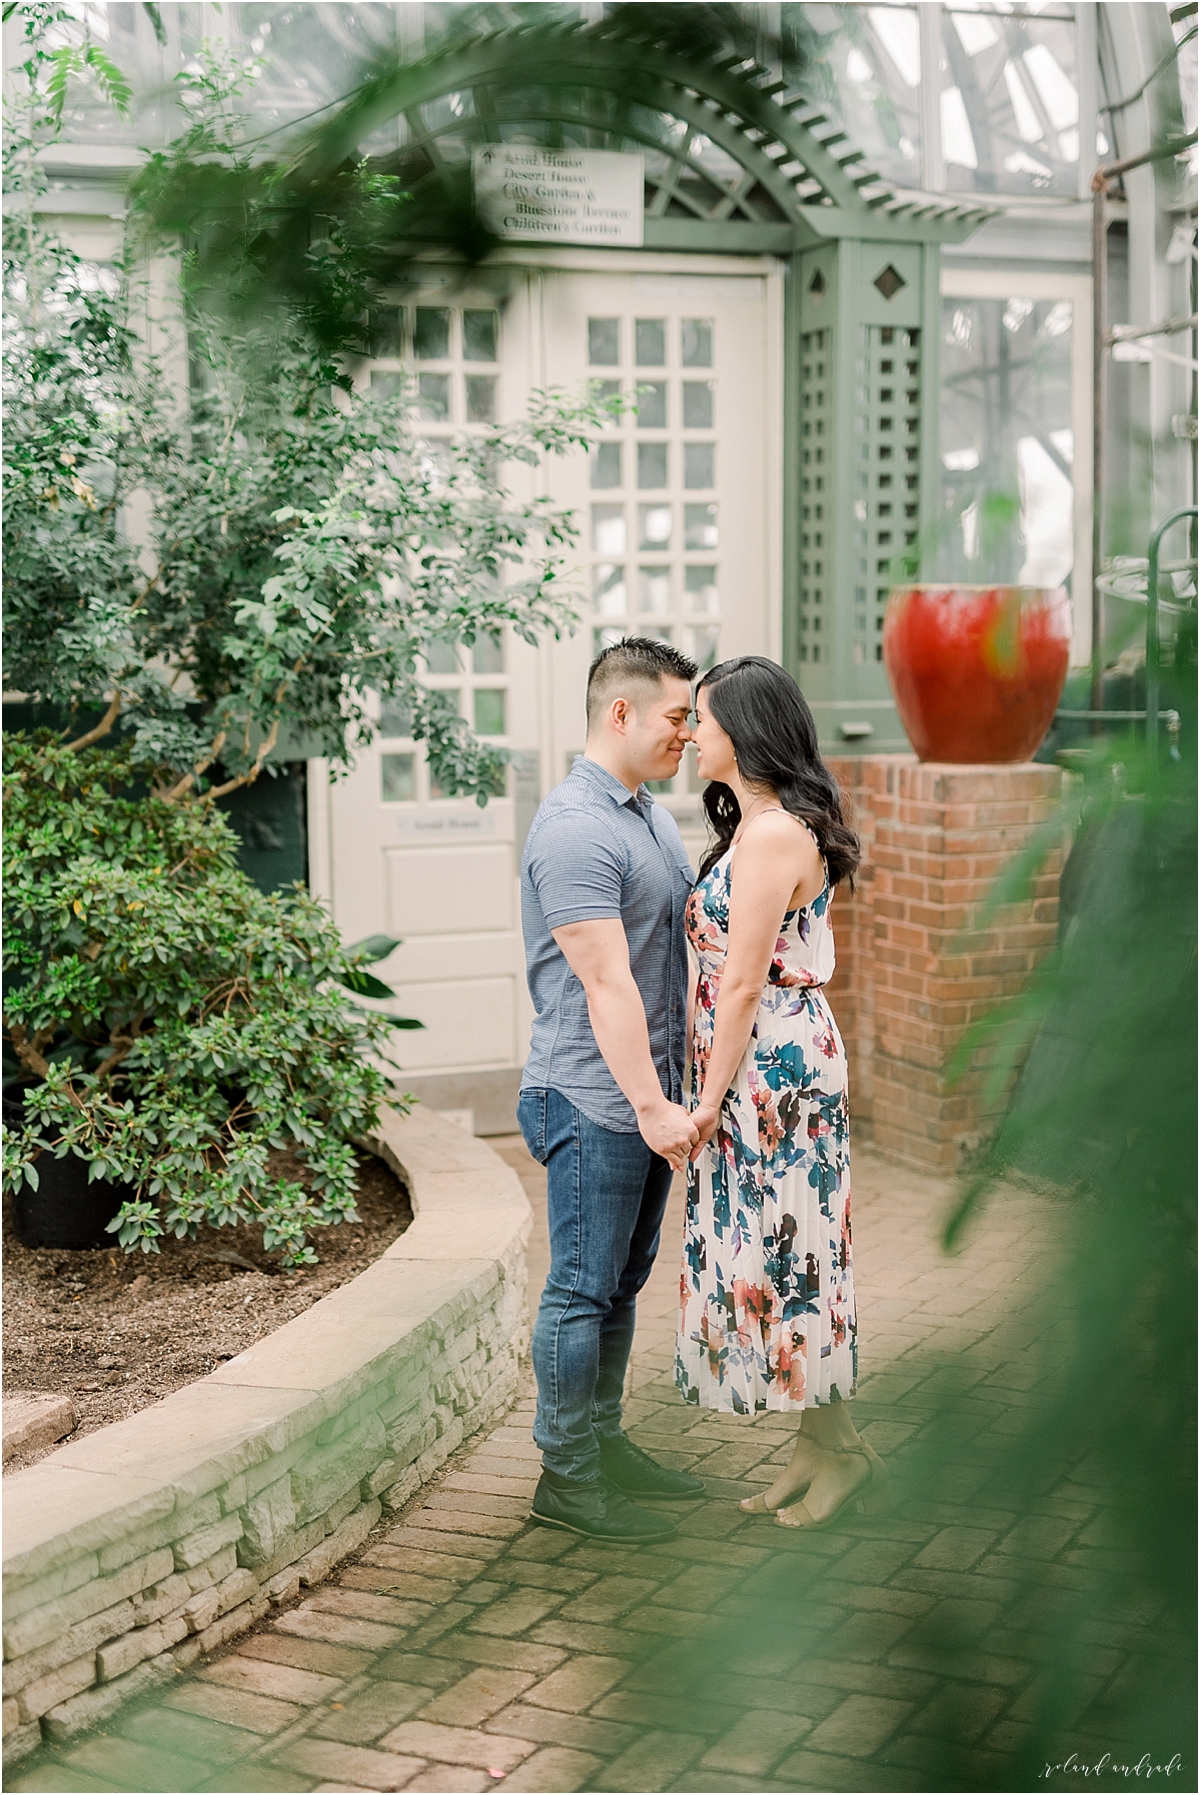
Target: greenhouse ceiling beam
<point x="787" y="145"/>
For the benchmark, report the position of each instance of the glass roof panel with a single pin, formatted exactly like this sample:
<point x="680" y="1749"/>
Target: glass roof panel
<point x="1009" y="100"/>
<point x="863" y="64"/>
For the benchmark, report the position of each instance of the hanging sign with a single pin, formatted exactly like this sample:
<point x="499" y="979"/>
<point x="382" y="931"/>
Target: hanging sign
<point x="560" y="196"/>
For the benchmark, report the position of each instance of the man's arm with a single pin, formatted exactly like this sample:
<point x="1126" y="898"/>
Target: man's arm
<point x="598" y="954"/>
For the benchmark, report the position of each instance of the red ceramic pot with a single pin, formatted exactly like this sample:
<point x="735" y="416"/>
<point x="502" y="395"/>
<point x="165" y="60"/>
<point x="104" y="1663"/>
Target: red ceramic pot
<point x="977" y="670"/>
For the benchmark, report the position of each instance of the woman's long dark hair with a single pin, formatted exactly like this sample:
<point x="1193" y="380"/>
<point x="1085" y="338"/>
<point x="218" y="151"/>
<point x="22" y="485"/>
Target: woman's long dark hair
<point x="763" y="712"/>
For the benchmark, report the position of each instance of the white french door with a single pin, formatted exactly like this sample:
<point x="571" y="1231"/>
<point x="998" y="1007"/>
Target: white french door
<point x="678" y="509"/>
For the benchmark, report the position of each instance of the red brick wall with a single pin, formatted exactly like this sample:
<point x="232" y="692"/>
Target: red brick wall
<point x="915" y="966"/>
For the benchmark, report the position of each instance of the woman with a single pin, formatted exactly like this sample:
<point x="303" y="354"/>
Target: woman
<point x="767" y="1292"/>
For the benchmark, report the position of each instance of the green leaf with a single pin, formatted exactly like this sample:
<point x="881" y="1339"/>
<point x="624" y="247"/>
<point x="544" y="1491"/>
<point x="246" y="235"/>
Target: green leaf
<point x="64" y="63"/>
<point x="375" y="947"/>
<point x="111" y="79"/>
<point x="365" y="983"/>
<point x="154" y="14"/>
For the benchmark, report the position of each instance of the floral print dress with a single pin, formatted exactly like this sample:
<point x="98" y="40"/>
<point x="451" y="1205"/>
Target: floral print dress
<point x="766" y="1293"/>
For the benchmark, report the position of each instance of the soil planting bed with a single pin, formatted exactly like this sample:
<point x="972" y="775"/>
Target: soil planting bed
<point x="116" y="1331"/>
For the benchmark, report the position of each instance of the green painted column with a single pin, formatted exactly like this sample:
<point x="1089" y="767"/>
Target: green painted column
<point x="861" y="468"/>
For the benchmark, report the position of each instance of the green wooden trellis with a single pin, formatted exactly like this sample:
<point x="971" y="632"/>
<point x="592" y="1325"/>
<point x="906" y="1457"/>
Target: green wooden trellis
<point x="738" y="162"/>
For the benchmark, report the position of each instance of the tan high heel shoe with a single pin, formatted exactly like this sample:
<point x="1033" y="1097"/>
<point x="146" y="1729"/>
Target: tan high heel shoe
<point x="871" y="1495"/>
<point x="758" y="1504"/>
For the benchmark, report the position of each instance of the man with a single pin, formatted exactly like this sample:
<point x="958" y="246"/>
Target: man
<point x="604" y="882"/>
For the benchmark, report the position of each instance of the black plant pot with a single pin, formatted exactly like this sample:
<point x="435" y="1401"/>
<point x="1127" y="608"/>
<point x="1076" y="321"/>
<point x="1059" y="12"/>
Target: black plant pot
<point x="65" y="1210"/>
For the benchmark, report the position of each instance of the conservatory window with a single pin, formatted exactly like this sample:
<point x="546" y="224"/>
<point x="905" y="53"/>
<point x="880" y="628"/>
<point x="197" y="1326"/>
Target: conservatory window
<point x="1015" y="423"/>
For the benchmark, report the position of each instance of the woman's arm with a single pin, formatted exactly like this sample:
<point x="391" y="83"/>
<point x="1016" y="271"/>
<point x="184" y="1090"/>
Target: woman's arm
<point x="776" y="857"/>
<point x="693" y="977"/>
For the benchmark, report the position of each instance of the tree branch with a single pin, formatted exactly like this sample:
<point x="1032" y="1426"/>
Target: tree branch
<point x="248" y="778"/>
<point x="123" y="1045"/>
<point x="31" y="1056"/>
<point x="102" y="728"/>
<point x="202" y="766"/>
<point x="30" y="1052"/>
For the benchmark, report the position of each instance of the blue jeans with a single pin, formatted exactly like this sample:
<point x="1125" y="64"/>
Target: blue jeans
<point x="606" y="1194"/>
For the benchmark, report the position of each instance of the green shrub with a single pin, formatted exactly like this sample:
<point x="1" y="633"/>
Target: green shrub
<point x="179" y="1022"/>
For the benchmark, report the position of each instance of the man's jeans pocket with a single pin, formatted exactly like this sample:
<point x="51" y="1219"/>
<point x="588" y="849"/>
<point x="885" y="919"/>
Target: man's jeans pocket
<point x="531" y="1120"/>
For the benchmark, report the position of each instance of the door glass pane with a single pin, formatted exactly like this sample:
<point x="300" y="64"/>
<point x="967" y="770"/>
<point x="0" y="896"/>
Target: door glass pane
<point x="652" y="465"/>
<point x="650" y="342"/>
<point x="697" y="404"/>
<point x="489" y="712"/>
<point x="487" y="655"/>
<point x="395" y="718"/>
<point x="387" y="331"/>
<point x="700" y="585"/>
<point x="608" y="529"/>
<point x="398" y="778"/>
<point x="700" y="643"/>
<point x="479" y="336"/>
<point x="696" y="342"/>
<point x="604" y="342"/>
<point x="607" y="390"/>
<point x="608" y="589"/>
<point x="606" y="638"/>
<point x="433" y="397"/>
<point x="700" y="526"/>
<point x="441" y="657"/>
<point x="1007" y="445"/>
<point x="699" y="462"/>
<point x="652" y="405"/>
<point x="654" y="526"/>
<point x="481" y="398"/>
<point x="606" y="465"/>
<point x="654" y="591"/>
<point x="390" y="385"/>
<point x="432" y="336"/>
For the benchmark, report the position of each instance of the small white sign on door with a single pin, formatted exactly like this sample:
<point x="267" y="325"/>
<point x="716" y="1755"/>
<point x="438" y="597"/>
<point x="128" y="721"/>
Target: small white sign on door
<point x="560" y="196"/>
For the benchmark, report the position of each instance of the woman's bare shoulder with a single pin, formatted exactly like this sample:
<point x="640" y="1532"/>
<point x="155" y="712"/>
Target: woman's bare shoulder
<point x="777" y="836"/>
<point x="780" y="828"/>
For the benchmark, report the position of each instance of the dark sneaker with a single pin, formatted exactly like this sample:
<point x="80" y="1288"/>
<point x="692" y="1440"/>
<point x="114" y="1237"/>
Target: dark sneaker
<point x="595" y="1510"/>
<point x="635" y="1473"/>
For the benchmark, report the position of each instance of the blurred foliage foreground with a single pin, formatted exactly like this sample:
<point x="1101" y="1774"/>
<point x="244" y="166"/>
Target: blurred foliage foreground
<point x="1102" y="1125"/>
<point x="1104" y="1119"/>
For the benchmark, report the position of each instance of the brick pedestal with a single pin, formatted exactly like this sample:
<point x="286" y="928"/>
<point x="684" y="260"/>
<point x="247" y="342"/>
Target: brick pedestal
<point x="914" y="967"/>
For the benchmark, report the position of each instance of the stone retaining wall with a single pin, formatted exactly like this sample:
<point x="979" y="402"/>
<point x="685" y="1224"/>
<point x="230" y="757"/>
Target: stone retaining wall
<point x="129" y="1553"/>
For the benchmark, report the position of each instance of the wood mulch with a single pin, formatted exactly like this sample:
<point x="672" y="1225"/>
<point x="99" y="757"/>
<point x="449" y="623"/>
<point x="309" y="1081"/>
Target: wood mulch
<point x="117" y="1331"/>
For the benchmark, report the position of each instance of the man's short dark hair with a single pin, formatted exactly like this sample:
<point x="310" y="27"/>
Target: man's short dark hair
<point x="634" y="661"/>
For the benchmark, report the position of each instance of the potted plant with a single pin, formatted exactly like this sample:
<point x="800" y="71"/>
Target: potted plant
<point x="976" y="669"/>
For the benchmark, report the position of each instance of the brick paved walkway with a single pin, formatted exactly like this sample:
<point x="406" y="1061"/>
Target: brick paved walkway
<point x="467" y="1648"/>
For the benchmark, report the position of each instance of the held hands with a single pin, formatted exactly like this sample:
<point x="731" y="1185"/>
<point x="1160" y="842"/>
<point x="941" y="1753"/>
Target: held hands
<point x="705" y="1117"/>
<point x="668" y="1130"/>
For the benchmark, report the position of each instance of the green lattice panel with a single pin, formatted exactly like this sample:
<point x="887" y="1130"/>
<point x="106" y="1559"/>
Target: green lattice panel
<point x="887" y="505"/>
<point x="816" y="376"/>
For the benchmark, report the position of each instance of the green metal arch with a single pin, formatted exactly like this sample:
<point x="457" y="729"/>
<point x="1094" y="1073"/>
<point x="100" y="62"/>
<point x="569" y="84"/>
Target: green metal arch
<point x="789" y="148"/>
